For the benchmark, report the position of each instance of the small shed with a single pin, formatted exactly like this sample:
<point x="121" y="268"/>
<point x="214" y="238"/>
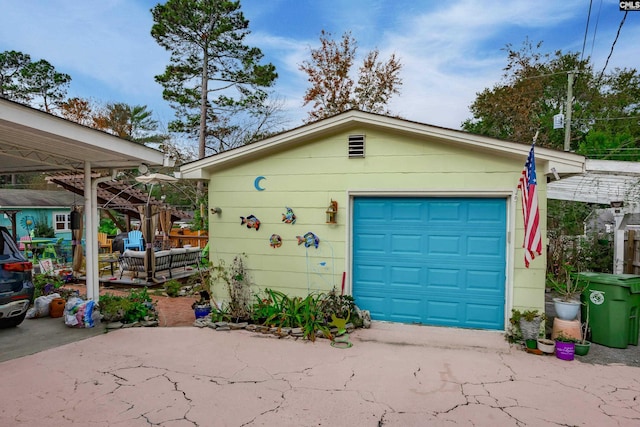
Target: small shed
<point x="420" y="224"/>
<point x="51" y="207"/>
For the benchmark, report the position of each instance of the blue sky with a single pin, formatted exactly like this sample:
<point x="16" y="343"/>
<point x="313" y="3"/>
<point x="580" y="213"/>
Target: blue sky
<point x="450" y="50"/>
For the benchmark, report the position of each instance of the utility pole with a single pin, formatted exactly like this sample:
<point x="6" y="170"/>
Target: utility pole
<point x="567" y="122"/>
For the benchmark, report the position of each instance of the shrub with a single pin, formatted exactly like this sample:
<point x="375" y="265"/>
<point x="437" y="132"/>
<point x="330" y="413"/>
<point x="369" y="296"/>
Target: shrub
<point x="45" y="284"/>
<point x="135" y="307"/>
<point x="172" y="287"/>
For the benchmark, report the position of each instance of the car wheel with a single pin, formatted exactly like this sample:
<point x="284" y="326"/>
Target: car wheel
<point x="12" y="322"/>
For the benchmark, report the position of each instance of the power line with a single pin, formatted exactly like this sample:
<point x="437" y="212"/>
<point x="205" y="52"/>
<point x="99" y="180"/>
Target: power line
<point x="595" y="30"/>
<point x="586" y="30"/>
<point x="613" y="45"/>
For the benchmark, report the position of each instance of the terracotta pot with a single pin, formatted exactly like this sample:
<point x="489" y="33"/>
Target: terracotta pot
<point x="568" y="328"/>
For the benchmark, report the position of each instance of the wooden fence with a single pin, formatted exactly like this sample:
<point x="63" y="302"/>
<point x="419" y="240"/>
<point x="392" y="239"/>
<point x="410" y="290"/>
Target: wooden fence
<point x="632" y="252"/>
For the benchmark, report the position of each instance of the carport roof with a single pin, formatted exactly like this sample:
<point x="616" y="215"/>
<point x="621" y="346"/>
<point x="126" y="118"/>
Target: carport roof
<point x="36" y="141"/>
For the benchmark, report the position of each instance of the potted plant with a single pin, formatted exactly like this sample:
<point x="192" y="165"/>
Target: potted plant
<point x="565" y="347"/>
<point x="202" y="307"/>
<point x="583" y="346"/>
<point x="568" y="286"/>
<point x="527" y="324"/>
<point x="546" y="345"/>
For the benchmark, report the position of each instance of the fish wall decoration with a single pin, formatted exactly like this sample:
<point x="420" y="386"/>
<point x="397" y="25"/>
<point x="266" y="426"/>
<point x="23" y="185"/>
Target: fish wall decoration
<point x="289" y="217"/>
<point x="309" y="239"/>
<point x="251" y="221"/>
<point x="275" y="241"/>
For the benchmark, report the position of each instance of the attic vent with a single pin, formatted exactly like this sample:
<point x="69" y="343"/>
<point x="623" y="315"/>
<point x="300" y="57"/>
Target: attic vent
<point x="356" y="146"/>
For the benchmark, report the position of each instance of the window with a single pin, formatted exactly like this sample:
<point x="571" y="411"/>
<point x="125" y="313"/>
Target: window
<point x="62" y="221"/>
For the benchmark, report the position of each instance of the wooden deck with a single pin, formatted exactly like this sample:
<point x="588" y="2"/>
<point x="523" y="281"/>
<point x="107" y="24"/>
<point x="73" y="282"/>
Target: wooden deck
<point x="130" y="280"/>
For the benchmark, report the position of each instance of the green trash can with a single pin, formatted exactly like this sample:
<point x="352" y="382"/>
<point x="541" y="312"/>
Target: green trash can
<point x="612" y="302"/>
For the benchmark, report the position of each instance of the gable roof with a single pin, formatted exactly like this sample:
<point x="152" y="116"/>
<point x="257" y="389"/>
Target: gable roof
<point x="33" y="199"/>
<point x="556" y="161"/>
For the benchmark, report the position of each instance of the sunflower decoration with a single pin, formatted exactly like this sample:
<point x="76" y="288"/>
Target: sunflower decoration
<point x="28" y="222"/>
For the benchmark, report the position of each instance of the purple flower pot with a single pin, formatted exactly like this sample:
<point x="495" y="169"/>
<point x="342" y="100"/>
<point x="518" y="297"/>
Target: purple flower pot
<point x="565" y="350"/>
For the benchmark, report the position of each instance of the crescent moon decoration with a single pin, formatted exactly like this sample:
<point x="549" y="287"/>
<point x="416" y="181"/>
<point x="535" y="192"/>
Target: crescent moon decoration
<point x="256" y="183"/>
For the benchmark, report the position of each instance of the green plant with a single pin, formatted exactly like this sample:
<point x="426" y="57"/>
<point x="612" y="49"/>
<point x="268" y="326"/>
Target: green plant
<point x="42" y="228"/>
<point x="172" y="287"/>
<point x="45" y="284"/>
<point x="565" y="338"/>
<point x="514" y="331"/>
<point x="311" y="313"/>
<point x="528" y="315"/>
<point x="108" y="226"/>
<point x="342" y="306"/>
<point x="135" y="307"/>
<point x="313" y="318"/>
<point x="567" y="283"/>
<point x="236" y="279"/>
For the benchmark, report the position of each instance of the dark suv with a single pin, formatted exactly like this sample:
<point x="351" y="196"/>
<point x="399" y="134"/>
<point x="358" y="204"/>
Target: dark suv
<point x="16" y="286"/>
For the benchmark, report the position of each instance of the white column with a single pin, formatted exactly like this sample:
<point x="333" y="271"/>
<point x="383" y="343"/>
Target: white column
<point x="89" y="226"/>
<point x="618" y="242"/>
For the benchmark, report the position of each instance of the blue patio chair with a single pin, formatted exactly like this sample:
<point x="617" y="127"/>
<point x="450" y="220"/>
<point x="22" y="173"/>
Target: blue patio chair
<point x="134" y="240"/>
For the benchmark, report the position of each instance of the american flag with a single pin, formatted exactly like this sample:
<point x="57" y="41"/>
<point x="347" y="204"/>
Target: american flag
<point x="527" y="184"/>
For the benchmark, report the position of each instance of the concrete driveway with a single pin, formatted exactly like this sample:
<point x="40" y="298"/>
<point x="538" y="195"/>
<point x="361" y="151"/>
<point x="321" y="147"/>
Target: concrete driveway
<point x="394" y="375"/>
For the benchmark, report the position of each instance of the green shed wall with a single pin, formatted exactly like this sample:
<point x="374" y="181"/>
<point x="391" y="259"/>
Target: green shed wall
<point x="307" y="177"/>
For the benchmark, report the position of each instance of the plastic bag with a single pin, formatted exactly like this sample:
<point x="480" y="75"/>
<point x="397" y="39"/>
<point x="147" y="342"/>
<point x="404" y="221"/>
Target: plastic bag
<point x="71" y="310"/>
<point x="79" y="313"/>
<point x="41" y="306"/>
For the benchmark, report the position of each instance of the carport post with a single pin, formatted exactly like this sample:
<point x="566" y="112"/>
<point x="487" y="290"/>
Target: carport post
<point x="89" y="218"/>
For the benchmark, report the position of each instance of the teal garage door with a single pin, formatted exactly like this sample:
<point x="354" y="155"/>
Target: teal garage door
<point x="432" y="261"/>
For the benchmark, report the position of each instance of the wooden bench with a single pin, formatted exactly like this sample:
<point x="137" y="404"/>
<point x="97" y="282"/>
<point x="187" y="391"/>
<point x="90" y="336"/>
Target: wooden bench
<point x="133" y="261"/>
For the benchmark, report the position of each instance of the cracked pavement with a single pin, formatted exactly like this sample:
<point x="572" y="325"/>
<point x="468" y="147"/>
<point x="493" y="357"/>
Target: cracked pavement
<point x="394" y="375"/>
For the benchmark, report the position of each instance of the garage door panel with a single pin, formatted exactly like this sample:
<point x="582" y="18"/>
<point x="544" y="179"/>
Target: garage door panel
<point x="408" y="212"/>
<point x="443" y="312"/>
<point x="442" y="278"/>
<point x="445" y="212"/>
<point x="406" y="310"/>
<point x="438" y="261"/>
<point x="487" y="282"/>
<point x="444" y="245"/>
<point x="406" y="244"/>
<point x="406" y="277"/>
<point x="485" y="247"/>
<point x="488" y="213"/>
<point x="371" y="274"/>
<point x="483" y="316"/>
<point x="376" y="305"/>
<point x="371" y="244"/>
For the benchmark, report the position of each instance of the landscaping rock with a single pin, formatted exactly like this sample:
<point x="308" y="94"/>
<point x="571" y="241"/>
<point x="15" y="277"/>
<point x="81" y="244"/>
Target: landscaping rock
<point x="236" y="326"/>
<point x="113" y="325"/>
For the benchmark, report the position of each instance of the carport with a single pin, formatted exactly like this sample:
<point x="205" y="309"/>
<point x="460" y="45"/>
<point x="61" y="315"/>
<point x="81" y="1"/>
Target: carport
<point x="34" y="141"/>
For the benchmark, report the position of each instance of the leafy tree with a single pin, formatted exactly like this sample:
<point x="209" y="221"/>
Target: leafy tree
<point x="46" y="84"/>
<point x="333" y="90"/>
<point x="534" y="89"/>
<point x="212" y="76"/>
<point x="77" y="110"/>
<point x="11" y="65"/>
<point x="134" y="123"/>
<point x="25" y="81"/>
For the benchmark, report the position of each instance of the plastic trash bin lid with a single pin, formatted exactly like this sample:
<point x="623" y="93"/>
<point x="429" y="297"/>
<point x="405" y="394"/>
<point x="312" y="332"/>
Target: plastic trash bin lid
<point x="631" y="281"/>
